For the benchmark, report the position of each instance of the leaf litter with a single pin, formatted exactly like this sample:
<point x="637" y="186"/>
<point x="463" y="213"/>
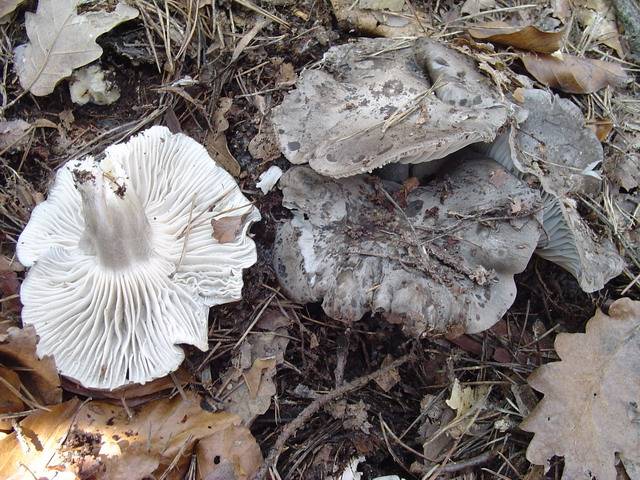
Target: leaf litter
<point x="60" y="41"/>
<point x="190" y="48"/>
<point x="100" y="440"/>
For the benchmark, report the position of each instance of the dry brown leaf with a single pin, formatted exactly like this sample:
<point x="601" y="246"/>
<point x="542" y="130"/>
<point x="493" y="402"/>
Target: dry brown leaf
<point x="45" y="432"/>
<point x="602" y="128"/>
<point x="134" y="393"/>
<point x="286" y="74"/>
<point x="598" y="17"/>
<point x="229" y="453"/>
<point x="13" y="134"/>
<point x="38" y="376"/>
<point x="99" y="440"/>
<point x="574" y="74"/>
<point x="10" y="264"/>
<point x="227" y="229"/>
<point x="527" y="38"/>
<point x="9" y="401"/>
<point x="264" y="146"/>
<point x="216" y="141"/>
<point x="590" y="410"/>
<point x="390" y="379"/>
<point x="251" y="380"/>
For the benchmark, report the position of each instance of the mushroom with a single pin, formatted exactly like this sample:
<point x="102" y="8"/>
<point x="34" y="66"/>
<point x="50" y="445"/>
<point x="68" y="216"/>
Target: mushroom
<point x="438" y="258"/>
<point x="554" y="148"/>
<point x="381" y="101"/>
<point x="124" y="266"/>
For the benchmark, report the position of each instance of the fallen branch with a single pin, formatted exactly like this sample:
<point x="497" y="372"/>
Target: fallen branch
<point x="292" y="427"/>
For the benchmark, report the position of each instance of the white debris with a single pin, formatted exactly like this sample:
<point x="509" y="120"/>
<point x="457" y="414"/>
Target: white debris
<point x="351" y="472"/>
<point x="269" y="179"/>
<point x="90" y="85"/>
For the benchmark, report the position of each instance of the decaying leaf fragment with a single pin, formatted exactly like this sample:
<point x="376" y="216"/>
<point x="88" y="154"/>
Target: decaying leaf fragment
<point x="250" y="382"/>
<point x="38" y="377"/>
<point x="472" y="7"/>
<point x="227" y="229"/>
<point x="60" y="40"/>
<point x="573" y="74"/>
<point x="527" y="37"/>
<point x="444" y="261"/>
<point x="415" y="103"/>
<point x="466" y="401"/>
<point x="598" y="17"/>
<point x="590" y="412"/>
<point x="98" y="440"/>
<point x="216" y="141"/>
<point x="401" y="22"/>
<point x="13" y="134"/>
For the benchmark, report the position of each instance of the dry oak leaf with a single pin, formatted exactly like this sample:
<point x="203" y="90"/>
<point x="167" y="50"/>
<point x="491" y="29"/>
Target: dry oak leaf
<point x="38" y="376"/>
<point x="598" y="17"/>
<point x="527" y="38"/>
<point x="60" y="40"/>
<point x="573" y="74"/>
<point x="590" y="409"/>
<point x="99" y="440"/>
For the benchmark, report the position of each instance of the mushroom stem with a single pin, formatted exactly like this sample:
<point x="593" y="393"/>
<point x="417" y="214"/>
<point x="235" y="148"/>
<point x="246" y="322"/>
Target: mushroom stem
<point x="117" y="230"/>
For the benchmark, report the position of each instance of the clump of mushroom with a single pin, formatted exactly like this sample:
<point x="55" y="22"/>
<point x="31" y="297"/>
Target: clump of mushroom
<point x="425" y="254"/>
<point x="124" y="260"/>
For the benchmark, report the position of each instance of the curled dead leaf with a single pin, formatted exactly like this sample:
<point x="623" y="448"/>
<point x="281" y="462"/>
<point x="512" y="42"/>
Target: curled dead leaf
<point x="380" y="23"/>
<point x="573" y="74"/>
<point x="216" y="141"/>
<point x="37" y="376"/>
<point x="590" y="407"/>
<point x="99" y="440"/>
<point x="134" y="393"/>
<point x="250" y="382"/>
<point x="527" y="38"/>
<point x="598" y="18"/>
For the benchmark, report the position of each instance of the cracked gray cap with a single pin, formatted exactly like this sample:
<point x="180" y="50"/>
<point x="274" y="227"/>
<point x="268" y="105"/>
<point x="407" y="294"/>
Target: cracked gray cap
<point x="380" y="101"/>
<point x="124" y="266"/>
<point x="445" y="261"/>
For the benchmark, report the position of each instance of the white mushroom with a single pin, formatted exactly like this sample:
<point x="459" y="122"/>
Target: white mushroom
<point x="123" y="262"/>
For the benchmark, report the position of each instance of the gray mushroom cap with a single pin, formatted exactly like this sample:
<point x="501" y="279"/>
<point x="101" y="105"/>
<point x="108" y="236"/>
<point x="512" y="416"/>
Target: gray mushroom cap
<point x="444" y="261"/>
<point x="124" y="266"/>
<point x="554" y="147"/>
<point x="380" y="101"/>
